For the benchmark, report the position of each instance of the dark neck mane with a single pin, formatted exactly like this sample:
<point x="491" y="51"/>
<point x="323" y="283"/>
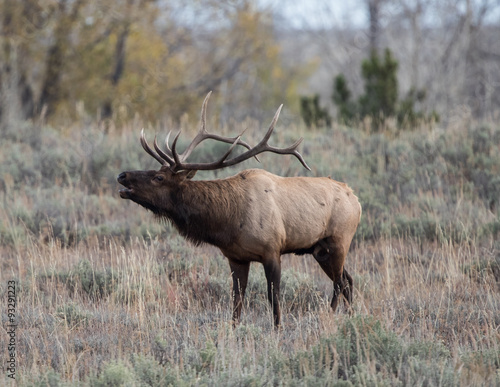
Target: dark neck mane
<point x="206" y="211"/>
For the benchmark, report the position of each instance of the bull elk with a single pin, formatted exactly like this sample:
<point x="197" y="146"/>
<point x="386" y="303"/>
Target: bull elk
<point x="254" y="216"/>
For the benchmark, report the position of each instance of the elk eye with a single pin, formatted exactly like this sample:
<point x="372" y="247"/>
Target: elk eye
<point x="159" y="178"/>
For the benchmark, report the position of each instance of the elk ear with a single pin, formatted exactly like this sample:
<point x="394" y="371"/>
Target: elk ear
<point x="186" y="174"/>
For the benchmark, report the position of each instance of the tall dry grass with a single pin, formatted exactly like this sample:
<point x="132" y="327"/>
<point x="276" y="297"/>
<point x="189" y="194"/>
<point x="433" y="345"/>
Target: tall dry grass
<point x="106" y="296"/>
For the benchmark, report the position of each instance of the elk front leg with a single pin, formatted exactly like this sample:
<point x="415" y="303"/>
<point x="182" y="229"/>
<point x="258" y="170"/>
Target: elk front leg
<point x="239" y="271"/>
<point x="272" y="269"/>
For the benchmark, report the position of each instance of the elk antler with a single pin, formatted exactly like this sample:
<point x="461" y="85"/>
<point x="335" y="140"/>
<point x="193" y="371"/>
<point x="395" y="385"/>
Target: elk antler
<point x="177" y="162"/>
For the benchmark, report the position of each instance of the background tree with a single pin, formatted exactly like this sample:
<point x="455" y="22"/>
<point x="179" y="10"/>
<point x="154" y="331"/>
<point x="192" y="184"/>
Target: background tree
<point x="65" y="16"/>
<point x="381" y="86"/>
<point x="341" y="97"/>
<point x="20" y="25"/>
<point x="380" y="99"/>
<point x="312" y="113"/>
<point x="374" y="15"/>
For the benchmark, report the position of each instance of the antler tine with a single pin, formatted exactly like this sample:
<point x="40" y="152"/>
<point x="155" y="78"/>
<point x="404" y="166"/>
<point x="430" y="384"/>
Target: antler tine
<point x="271" y="127"/>
<point x="291" y="150"/>
<point x="204" y="135"/>
<point x="177" y="161"/>
<point x="228" y="152"/>
<point x="202" y="132"/>
<point x="167" y="144"/>
<point x="203" y="126"/>
<point x="148" y="149"/>
<point x="162" y="154"/>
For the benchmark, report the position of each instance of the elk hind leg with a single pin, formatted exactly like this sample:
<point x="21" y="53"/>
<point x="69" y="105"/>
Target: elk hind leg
<point x="348" y="286"/>
<point x="331" y="258"/>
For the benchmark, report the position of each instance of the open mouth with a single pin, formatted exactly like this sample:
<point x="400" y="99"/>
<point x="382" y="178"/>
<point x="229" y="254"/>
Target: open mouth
<point x="125" y="193"/>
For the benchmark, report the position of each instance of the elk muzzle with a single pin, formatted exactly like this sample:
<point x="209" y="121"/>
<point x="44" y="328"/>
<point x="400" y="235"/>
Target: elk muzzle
<point x="124" y="192"/>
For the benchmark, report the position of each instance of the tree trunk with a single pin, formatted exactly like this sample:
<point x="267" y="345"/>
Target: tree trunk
<point x="51" y="92"/>
<point x="119" y="65"/>
<point x="374" y="16"/>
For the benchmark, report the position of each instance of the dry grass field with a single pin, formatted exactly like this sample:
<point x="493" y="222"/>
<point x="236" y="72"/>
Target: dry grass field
<point x="107" y="296"/>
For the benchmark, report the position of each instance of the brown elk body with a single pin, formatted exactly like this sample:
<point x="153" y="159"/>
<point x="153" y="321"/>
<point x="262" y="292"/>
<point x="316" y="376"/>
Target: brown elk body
<point x="254" y="216"/>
